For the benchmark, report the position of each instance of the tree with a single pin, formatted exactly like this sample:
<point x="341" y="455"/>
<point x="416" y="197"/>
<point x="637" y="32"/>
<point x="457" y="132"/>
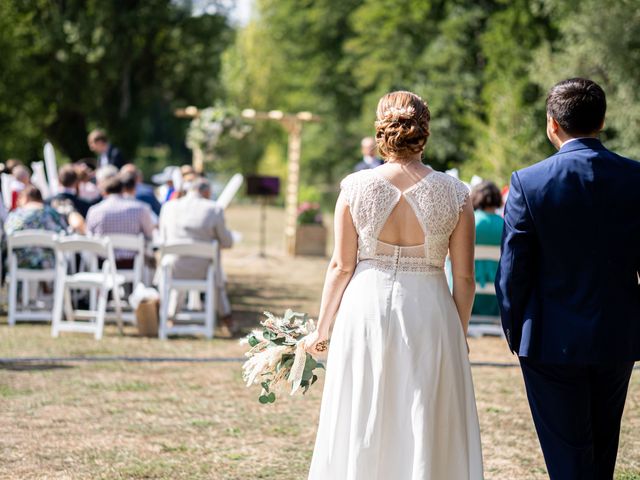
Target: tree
<point x="121" y="65"/>
<point x="290" y="59"/>
<point x="598" y="40"/>
<point x="510" y="133"/>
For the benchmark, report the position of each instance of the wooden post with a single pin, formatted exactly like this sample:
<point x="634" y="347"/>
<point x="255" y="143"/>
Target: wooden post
<point x="294" y="127"/>
<point x="197" y="160"/>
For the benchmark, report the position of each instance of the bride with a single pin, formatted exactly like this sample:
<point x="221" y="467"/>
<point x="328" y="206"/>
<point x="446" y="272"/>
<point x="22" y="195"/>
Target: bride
<point x="398" y="400"/>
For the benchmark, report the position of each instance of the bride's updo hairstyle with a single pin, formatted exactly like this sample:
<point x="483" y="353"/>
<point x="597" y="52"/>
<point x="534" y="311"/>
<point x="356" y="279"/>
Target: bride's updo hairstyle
<point x="402" y="125"/>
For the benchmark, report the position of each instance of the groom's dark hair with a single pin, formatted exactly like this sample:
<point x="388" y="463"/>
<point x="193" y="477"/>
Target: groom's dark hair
<point x="578" y="105"/>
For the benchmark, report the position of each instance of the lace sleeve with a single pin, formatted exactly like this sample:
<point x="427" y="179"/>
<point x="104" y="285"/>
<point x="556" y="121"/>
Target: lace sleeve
<point x="348" y="187"/>
<point x="461" y="194"/>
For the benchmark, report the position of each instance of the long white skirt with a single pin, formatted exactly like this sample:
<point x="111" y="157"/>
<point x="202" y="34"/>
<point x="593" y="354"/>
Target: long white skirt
<point x="398" y="400"/>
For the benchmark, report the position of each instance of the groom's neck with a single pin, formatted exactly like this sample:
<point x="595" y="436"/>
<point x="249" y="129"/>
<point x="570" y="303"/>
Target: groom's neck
<point x="570" y="138"/>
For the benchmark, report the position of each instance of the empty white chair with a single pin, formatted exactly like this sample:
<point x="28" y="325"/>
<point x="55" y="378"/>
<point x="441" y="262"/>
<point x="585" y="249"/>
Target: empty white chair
<point x="27" y="276"/>
<point x="134" y="275"/>
<point x="230" y="190"/>
<point x="102" y="281"/>
<point x="480" y="325"/>
<point x="208" y="252"/>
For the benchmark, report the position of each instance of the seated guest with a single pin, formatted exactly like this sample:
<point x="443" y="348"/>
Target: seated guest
<point x="67" y="199"/>
<point x="87" y="188"/>
<point x="486" y="199"/>
<point x="10" y="164"/>
<point x="129" y="182"/>
<point x="118" y="214"/>
<point x="101" y="176"/>
<point x="32" y="213"/>
<point x="143" y="192"/>
<point x="21" y="178"/>
<point x="196" y="218"/>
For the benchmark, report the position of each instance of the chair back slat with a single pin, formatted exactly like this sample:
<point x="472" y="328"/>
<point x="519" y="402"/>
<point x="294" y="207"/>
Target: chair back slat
<point x="191" y="249"/>
<point x="123" y="241"/>
<point x="79" y="243"/>
<point x="32" y="238"/>
<point x="487" y="252"/>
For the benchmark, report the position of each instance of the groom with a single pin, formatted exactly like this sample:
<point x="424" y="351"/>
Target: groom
<point x="568" y="285"/>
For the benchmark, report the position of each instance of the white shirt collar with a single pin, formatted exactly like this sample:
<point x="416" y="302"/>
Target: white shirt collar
<point x="573" y="139"/>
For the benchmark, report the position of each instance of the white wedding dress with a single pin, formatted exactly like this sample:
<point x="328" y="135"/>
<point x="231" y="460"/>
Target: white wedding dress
<point x="398" y="400"/>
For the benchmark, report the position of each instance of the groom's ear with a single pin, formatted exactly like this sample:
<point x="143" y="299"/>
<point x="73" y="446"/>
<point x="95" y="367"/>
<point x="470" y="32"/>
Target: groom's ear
<point x="552" y="124"/>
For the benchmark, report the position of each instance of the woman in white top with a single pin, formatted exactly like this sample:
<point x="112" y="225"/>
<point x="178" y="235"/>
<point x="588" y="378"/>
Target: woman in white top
<point x="398" y="399"/>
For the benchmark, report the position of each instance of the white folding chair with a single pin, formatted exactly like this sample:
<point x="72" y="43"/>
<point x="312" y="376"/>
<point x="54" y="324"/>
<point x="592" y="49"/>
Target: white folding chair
<point x="27" y="276"/>
<point x="480" y="325"/>
<point x="103" y="281"/>
<point x="208" y="252"/>
<point x="230" y="190"/>
<point x="134" y="275"/>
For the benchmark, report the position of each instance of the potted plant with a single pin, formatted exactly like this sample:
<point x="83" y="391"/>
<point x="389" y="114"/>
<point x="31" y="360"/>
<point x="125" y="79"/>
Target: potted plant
<point x="311" y="234"/>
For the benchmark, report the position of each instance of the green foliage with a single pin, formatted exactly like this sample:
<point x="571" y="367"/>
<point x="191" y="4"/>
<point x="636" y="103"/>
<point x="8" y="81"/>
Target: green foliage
<point x="122" y="66"/>
<point x="599" y="40"/>
<point x="483" y="66"/>
<point x="510" y="134"/>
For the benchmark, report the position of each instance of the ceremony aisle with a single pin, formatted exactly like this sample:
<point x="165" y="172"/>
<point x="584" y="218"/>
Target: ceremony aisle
<point x="195" y="419"/>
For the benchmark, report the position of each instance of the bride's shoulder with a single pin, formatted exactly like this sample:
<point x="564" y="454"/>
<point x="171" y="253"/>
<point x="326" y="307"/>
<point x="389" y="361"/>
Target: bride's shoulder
<point x="449" y="180"/>
<point x="356" y="177"/>
<point x="356" y="180"/>
<point x="451" y="187"/>
<point x="356" y="184"/>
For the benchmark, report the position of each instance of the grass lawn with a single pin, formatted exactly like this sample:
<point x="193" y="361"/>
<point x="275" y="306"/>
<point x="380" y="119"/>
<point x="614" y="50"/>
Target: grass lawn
<point x="172" y="420"/>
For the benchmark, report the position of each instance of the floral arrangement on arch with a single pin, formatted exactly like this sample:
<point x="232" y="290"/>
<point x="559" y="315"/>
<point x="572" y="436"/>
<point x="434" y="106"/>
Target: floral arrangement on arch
<point x="309" y="213"/>
<point x="206" y="129"/>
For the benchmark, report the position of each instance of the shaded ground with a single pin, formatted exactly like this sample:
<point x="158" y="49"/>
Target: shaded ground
<point x="117" y="420"/>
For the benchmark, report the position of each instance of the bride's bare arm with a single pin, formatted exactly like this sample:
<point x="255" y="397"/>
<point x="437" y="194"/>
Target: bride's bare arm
<point x="339" y="273"/>
<point x="461" y="250"/>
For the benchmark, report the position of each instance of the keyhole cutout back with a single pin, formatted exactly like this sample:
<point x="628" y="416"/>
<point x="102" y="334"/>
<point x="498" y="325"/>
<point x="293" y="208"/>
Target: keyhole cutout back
<point x="402" y="227"/>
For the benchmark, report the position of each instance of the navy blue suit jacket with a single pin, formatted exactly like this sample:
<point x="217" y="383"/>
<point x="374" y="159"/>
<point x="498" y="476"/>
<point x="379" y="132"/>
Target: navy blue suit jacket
<point x="115" y="157"/>
<point x="144" y="193"/>
<point x="568" y="277"/>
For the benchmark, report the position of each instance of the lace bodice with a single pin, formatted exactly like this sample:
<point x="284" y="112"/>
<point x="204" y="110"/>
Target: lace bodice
<point x="436" y="200"/>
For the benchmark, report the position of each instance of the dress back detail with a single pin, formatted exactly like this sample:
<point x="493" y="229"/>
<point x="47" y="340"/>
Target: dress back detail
<point x="436" y="200"/>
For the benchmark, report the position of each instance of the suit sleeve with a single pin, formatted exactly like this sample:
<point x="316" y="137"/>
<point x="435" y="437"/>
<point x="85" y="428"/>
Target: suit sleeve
<point x="118" y="159"/>
<point x="221" y="232"/>
<point x="519" y="252"/>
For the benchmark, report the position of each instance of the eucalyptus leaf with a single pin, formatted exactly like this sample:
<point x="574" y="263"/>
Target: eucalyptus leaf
<point x="310" y="363"/>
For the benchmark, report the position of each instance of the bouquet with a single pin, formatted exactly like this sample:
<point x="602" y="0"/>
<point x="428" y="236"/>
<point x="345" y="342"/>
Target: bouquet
<point x="277" y="355"/>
